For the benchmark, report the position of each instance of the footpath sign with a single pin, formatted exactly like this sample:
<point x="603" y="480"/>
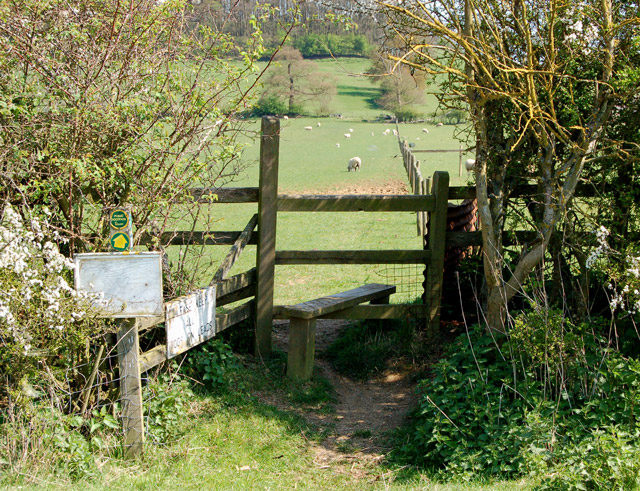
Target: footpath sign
<point x="121" y="230"/>
<point x="190" y="320"/>
<point x="122" y="285"/>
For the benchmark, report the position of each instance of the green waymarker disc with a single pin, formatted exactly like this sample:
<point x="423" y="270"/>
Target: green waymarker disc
<point x="119" y="219"/>
<point x="120" y="242"/>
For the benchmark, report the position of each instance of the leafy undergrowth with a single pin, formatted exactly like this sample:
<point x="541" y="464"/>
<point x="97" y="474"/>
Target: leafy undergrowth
<point x="203" y="433"/>
<point x="553" y="402"/>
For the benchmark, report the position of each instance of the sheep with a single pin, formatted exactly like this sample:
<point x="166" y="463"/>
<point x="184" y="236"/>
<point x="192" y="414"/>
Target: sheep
<point x="440" y="124"/>
<point x="285" y="117"/>
<point x="425" y="130"/>
<point x="347" y="135"/>
<point x="338" y="145"/>
<point x="386" y="132"/>
<point x="350" y="130"/>
<point x="395" y="132"/>
<point x="308" y="128"/>
<point x="354" y="164"/>
<point x="373" y="134"/>
<point x="469" y="164"/>
<point x="318" y="125"/>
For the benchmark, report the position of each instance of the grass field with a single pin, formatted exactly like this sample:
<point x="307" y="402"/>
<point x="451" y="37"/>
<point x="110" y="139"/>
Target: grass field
<point x="315" y="162"/>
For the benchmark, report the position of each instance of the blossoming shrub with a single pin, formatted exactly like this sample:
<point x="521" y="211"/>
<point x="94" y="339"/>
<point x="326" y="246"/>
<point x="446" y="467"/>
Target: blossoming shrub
<point x="44" y="323"/>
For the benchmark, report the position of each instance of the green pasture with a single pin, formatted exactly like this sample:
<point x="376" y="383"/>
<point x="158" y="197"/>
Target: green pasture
<point x="315" y="162"/>
<point x="311" y="162"/>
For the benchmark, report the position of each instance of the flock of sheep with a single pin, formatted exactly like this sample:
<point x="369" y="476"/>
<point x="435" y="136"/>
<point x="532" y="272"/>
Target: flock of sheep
<point x="355" y="163"/>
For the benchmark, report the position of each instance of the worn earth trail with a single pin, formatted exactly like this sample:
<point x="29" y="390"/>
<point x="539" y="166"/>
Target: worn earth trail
<point x="364" y="411"/>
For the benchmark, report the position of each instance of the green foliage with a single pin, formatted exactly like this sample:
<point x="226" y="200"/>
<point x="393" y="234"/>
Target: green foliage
<point x="167" y="401"/>
<point x="269" y="105"/>
<point x="362" y="350"/>
<point x="66" y="444"/>
<point x="405" y="114"/>
<point x="316" y="45"/>
<point x="210" y="363"/>
<point x="525" y="409"/>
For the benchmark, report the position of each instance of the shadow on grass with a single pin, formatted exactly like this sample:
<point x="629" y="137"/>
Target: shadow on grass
<point x="368" y="94"/>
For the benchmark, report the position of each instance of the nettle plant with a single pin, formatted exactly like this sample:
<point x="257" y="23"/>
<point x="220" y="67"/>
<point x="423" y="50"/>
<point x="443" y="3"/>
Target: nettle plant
<point x="43" y="320"/>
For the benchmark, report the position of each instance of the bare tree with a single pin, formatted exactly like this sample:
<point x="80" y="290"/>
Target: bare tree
<point x="540" y="80"/>
<point x="297" y="81"/>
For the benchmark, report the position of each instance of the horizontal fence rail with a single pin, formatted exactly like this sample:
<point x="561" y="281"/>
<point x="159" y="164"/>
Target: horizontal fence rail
<point x="194" y="238"/>
<point x="372" y="203"/>
<point x="353" y="257"/>
<point x="158" y="355"/>
<point x="224" y="195"/>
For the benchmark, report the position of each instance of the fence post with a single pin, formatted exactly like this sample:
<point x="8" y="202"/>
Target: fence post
<point x="130" y="388"/>
<point x="436" y="243"/>
<point x="266" y="251"/>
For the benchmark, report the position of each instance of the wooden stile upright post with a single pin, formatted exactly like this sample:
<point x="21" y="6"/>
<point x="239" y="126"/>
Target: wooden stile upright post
<point x="266" y="252"/>
<point x="130" y="388"/>
<point x="436" y="243"/>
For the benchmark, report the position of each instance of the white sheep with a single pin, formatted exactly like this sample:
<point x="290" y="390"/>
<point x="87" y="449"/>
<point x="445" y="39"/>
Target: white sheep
<point x="347" y="135"/>
<point x="395" y="132"/>
<point x="350" y="130"/>
<point x="373" y="134"/>
<point x="318" y="124"/>
<point x="469" y="164"/>
<point x="425" y="130"/>
<point x="386" y="132"/>
<point x="285" y="117"/>
<point x="354" y="164"/>
<point x="440" y="124"/>
<point x="338" y="145"/>
<point x="308" y="128"/>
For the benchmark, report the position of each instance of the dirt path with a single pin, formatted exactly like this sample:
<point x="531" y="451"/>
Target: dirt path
<point x="364" y="411"/>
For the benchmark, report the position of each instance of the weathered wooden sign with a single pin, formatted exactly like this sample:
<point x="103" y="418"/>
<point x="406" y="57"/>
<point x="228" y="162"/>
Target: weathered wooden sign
<point x="121" y="285"/>
<point x="190" y="320"/>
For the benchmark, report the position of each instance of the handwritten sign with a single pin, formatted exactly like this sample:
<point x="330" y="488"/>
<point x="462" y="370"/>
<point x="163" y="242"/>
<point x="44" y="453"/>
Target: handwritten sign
<point x="121" y="285"/>
<point x="190" y="320"/>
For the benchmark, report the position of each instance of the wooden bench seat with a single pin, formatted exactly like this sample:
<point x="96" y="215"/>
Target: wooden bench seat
<point x="302" y="323"/>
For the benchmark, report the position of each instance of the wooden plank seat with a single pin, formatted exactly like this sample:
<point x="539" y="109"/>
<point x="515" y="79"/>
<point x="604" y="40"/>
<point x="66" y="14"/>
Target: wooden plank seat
<point x="302" y="323"/>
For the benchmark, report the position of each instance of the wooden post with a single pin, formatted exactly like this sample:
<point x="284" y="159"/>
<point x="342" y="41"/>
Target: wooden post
<point x="416" y="190"/>
<point x="302" y="346"/>
<point x="130" y="388"/>
<point x="436" y="243"/>
<point x="422" y="214"/>
<point x="266" y="251"/>
<point x="426" y="216"/>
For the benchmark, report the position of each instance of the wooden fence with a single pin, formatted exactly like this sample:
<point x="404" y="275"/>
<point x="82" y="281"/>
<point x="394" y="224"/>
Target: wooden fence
<point x="257" y="284"/>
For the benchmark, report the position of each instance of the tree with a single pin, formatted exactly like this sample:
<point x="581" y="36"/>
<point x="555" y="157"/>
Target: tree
<point x="296" y="81"/>
<point x="401" y="86"/>
<point x="541" y="79"/>
<point x="108" y="103"/>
